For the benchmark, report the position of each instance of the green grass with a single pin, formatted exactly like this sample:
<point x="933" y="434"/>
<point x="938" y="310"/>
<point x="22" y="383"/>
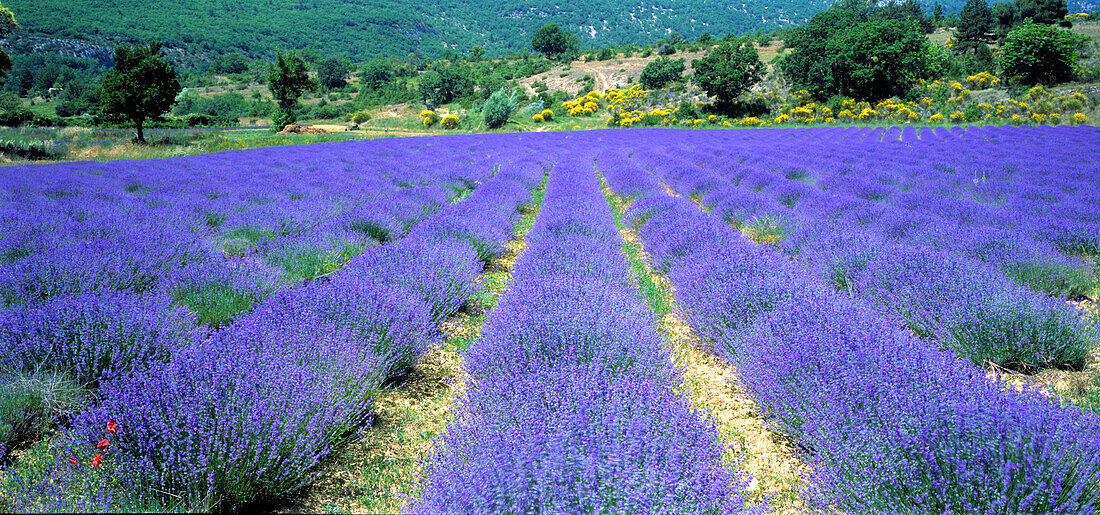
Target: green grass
<point x="216" y="303"/>
<point x="308" y="264"/>
<point x="242" y="240"/>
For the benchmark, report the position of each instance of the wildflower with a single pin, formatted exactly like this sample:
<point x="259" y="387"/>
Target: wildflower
<point x="72" y="460"/>
<point x="112" y="426"/>
<point x="103" y="444"/>
<point x="95" y="461"/>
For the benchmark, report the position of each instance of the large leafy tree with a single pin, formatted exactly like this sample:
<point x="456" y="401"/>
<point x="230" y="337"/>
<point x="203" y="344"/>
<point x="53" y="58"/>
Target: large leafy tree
<point x="848" y="50"/>
<point x="662" y="71"/>
<point x="332" y="73"/>
<point x="555" y="43"/>
<point x="975" y="25"/>
<point x="1035" y="53"/>
<point x="141" y="85"/>
<point x="7" y="27"/>
<point x="288" y="79"/>
<point x="728" y="70"/>
<point x="443" y="84"/>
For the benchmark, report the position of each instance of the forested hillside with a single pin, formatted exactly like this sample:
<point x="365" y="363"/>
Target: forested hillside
<point x="362" y="29"/>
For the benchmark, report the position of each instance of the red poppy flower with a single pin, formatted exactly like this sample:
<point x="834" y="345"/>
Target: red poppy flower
<point x="72" y="460"/>
<point x="103" y="444"/>
<point x="95" y="461"/>
<point x="112" y="426"/>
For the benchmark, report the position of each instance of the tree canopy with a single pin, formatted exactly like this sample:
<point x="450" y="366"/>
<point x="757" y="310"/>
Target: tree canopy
<point x="975" y="25"/>
<point x="332" y="73"/>
<point x="661" y="71"/>
<point x="139" y="86"/>
<point x="728" y="70"/>
<point x="8" y="26"/>
<point x="555" y="43"/>
<point x="1035" y="53"/>
<point x="288" y="79"/>
<point x="849" y="50"/>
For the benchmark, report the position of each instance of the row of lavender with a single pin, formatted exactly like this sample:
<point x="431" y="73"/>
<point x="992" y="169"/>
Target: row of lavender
<point x="887" y="423"/>
<point x="947" y="280"/>
<point x="109" y="262"/>
<point x="175" y="225"/>
<point x="570" y="406"/>
<point x="248" y="411"/>
<point x="1002" y="188"/>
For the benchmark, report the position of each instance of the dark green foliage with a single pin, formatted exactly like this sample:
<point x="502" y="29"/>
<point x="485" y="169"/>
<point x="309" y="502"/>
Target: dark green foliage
<point x="12" y="111"/>
<point x="555" y="43"/>
<point x="288" y="79"/>
<point x="728" y="70"/>
<point x="8" y="25"/>
<point x="229" y="63"/>
<point x="975" y="25"/>
<point x="661" y="71"/>
<point x="332" y="73"/>
<point x="442" y="84"/>
<point x="908" y="10"/>
<point x="1034" y="53"/>
<point x="849" y="50"/>
<point x="376" y="73"/>
<point x="141" y="85"/>
<point x="498" y="108"/>
<point x="1010" y="14"/>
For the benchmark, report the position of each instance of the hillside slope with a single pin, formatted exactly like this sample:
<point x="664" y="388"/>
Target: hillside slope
<point x="362" y="29"/>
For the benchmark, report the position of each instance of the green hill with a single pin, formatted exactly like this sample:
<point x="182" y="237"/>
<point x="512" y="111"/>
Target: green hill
<point x="361" y="29"/>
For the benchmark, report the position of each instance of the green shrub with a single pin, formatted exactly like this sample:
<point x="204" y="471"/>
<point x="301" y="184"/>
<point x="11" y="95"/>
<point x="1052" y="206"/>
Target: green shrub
<point x="498" y="108"/>
<point x="30" y="404"/>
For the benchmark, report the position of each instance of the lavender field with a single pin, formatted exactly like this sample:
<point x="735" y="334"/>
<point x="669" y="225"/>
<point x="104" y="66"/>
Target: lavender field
<point x="207" y="333"/>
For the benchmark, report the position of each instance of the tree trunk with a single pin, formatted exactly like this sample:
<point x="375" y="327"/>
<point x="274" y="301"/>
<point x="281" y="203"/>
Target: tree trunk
<point x="141" y="132"/>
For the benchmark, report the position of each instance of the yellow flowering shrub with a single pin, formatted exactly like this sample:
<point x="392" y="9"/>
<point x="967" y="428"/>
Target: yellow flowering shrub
<point x="428" y="117"/>
<point x="547" y="114"/>
<point x="537" y="118"/>
<point x="782" y="119"/>
<point x="712" y="118"/>
<point x="1039" y="118"/>
<point x="449" y="122"/>
<point x="936" y="118"/>
<point x="957" y="117"/>
<point x="867" y="114"/>
<point x="982" y="80"/>
<point x="1079" y="118"/>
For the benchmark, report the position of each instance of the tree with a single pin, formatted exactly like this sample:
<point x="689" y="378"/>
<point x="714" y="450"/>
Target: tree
<point x="846" y="51"/>
<point x="728" y="70"/>
<point x="332" y="73"/>
<point x="8" y="26"/>
<point x="441" y="84"/>
<point x="229" y="63"/>
<point x="555" y="43"/>
<point x="937" y="13"/>
<point x="975" y="24"/>
<point x="1034" y="53"/>
<point x="1047" y="12"/>
<point x="141" y="85"/>
<point x="662" y="71"/>
<point x="376" y="73"/>
<point x="476" y="54"/>
<point x="287" y="78"/>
